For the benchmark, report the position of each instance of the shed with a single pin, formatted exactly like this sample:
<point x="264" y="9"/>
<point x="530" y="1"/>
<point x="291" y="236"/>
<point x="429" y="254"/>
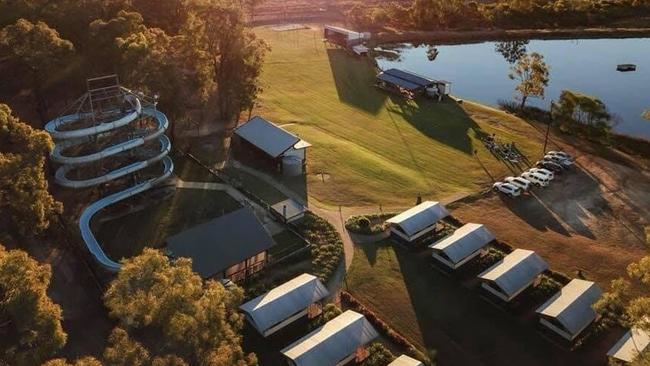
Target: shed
<point x="335" y="343"/>
<point x="461" y="246"/>
<point x="417" y="221"/>
<point x="414" y="84"/>
<point x="232" y="246"/>
<point x="289" y="210"/>
<point x="284" y="304"/>
<point x="344" y="37"/>
<point x="632" y="343"/>
<point x="272" y="141"/>
<point x="513" y="274"/>
<point x="570" y="311"/>
<point x="405" y="360"/>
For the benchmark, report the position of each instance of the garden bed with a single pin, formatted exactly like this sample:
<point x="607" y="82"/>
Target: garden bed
<point x="368" y="224"/>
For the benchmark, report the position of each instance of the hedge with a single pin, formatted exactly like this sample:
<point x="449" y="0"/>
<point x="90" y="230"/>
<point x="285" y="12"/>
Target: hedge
<point x="325" y="242"/>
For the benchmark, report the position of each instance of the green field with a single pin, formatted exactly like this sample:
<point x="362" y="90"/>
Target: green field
<point x="374" y="147"/>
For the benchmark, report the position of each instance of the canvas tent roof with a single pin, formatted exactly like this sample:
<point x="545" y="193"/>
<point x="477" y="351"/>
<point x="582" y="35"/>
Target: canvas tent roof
<point x="464" y="241"/>
<point x="332" y="342"/>
<point x="268" y="137"/>
<point x="419" y="217"/>
<point x="630" y="345"/>
<point x="405" y="360"/>
<point x="409" y="76"/>
<point x="515" y="270"/>
<point x="285" y="300"/>
<point x="572" y="306"/>
<point x="222" y="242"/>
<point x="404" y="84"/>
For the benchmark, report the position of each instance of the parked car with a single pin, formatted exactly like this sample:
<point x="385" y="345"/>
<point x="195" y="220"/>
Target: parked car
<point x="508" y="189"/>
<point x="520" y="182"/>
<point x="545" y="172"/>
<point x="561" y="154"/>
<point x="549" y="165"/>
<point x="537" y="179"/>
<point x="565" y="163"/>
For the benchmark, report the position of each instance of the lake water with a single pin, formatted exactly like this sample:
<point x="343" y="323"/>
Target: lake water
<point x="478" y="72"/>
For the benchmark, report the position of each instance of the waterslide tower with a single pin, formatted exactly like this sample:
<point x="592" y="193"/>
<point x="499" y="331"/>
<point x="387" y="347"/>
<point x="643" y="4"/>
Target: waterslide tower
<point x="110" y="135"/>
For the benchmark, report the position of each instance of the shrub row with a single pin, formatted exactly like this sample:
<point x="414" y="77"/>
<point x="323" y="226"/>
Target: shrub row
<point x="367" y="224"/>
<point x="382" y="326"/>
<point x="326" y="244"/>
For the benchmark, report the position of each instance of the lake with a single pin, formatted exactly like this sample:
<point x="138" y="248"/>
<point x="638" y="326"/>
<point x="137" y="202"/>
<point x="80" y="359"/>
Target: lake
<point x="478" y="72"/>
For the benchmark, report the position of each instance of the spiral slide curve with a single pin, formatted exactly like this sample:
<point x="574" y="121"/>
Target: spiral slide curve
<point x="69" y="138"/>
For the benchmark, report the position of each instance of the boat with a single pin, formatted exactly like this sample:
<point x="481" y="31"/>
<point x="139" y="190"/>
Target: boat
<point x="626" y="67"/>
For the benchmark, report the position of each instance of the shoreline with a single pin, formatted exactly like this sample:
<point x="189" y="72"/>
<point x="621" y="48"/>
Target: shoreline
<point x="491" y="35"/>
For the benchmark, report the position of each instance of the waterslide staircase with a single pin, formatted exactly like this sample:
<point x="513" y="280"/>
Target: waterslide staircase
<point x="116" y="116"/>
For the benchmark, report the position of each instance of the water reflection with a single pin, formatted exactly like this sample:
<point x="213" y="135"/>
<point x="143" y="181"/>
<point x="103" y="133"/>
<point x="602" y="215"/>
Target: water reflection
<point x="479" y="71"/>
<point x="512" y="51"/>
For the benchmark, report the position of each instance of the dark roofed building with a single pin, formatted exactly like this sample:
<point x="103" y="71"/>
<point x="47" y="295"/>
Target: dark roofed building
<point x="232" y="246"/>
<point x="266" y="142"/>
<point x="407" y="82"/>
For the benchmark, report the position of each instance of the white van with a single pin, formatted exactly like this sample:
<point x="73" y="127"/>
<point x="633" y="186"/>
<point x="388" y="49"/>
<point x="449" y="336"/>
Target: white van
<point x="536" y="178"/>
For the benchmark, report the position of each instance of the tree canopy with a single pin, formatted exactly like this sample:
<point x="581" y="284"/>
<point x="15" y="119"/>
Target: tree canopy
<point x="30" y="322"/>
<point x="39" y="53"/>
<point x="379" y="355"/>
<point x="24" y="195"/>
<point x="532" y="73"/>
<point x="577" y="112"/>
<point x="199" y="321"/>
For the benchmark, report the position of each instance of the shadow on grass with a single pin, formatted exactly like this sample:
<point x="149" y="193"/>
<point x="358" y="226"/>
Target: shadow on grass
<point x="445" y="122"/>
<point x="465" y="329"/>
<point x="354" y="78"/>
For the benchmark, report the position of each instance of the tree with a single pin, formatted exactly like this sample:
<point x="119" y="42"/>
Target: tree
<point x="37" y="52"/>
<point x="532" y="73"/>
<point x="84" y="361"/>
<point x="379" y="355"/>
<point x="619" y="305"/>
<point x="232" y="49"/>
<point x="24" y="196"/>
<point x="30" y="323"/>
<point x="330" y="311"/>
<point x="200" y="321"/>
<point x="579" y="111"/>
<point x="122" y="351"/>
<point x="512" y="51"/>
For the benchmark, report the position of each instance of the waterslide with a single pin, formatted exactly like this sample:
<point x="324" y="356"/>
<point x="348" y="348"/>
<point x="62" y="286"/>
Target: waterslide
<point x="66" y="139"/>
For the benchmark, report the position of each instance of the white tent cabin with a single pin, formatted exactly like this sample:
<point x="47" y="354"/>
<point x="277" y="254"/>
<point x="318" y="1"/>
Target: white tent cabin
<point x="570" y="311"/>
<point x="627" y="348"/>
<point x="417" y="221"/>
<point x="460" y="247"/>
<point x="334" y="344"/>
<point x="513" y="274"/>
<point x="274" y="310"/>
<point x="405" y="360"/>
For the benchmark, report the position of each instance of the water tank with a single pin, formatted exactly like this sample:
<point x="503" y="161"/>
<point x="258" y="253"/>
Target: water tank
<point x="291" y="166"/>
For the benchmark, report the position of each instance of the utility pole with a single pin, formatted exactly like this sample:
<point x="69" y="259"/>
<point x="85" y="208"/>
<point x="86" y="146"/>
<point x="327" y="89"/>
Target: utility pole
<point x="548" y="127"/>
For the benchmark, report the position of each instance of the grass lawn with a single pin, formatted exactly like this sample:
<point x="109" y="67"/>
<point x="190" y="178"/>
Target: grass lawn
<point x="438" y="312"/>
<point x="126" y="236"/>
<point x="371" y="144"/>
